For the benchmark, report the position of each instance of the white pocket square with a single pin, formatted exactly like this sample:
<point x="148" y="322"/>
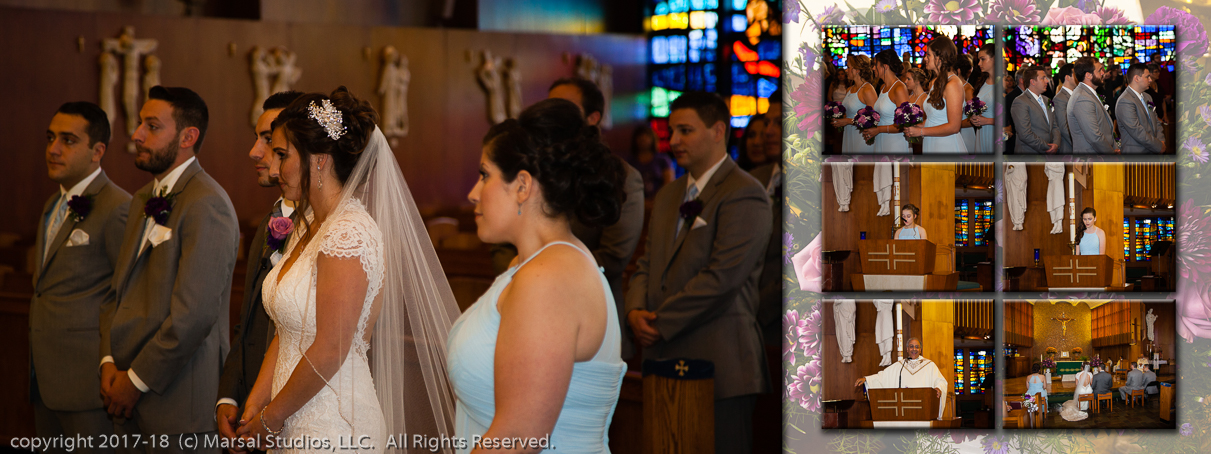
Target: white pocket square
<point x="77" y="238"/>
<point x="159" y="234"/>
<point x="275" y="258"/>
<point x="698" y="222"/>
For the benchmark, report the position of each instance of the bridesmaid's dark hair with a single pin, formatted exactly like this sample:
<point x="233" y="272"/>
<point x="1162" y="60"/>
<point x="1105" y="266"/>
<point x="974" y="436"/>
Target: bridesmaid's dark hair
<point x="980" y="77"/>
<point x="1081" y="233"/>
<point x="947" y="54"/>
<point x="888" y="57"/>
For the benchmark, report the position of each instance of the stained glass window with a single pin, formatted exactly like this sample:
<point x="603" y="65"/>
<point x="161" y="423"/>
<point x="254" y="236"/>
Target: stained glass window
<point x="1047" y="45"/>
<point x="960" y="371"/>
<point x="1148" y="231"/>
<point x="962" y="219"/>
<point x="839" y="42"/>
<point x="973" y="219"/>
<point x="981" y="221"/>
<point x="980" y="363"/>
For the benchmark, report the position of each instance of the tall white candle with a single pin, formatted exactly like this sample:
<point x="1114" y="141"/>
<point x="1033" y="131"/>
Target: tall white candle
<point x="1072" y="206"/>
<point x="899" y="330"/>
<point x="895" y="169"/>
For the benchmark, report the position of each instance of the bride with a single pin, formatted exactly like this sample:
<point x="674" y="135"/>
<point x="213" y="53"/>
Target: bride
<point x="359" y="275"/>
<point x="1071" y="410"/>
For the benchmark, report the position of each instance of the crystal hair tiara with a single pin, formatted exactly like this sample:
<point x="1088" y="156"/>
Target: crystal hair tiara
<point x="329" y="118"/>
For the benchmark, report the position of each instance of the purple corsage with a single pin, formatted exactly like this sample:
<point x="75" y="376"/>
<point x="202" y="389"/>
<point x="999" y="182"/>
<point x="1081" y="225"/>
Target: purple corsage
<point x="691" y="209"/>
<point x="79" y="206"/>
<point x="278" y="231"/>
<point x="159" y="207"/>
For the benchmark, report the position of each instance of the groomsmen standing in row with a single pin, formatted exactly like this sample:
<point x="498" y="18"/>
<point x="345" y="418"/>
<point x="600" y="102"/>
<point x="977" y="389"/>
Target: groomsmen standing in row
<point x="1035" y="123"/>
<point x="164" y="334"/>
<point x="1138" y="126"/>
<point x="1060" y="102"/>
<point x="1088" y="117"/>
<point x="694" y="293"/>
<point x="255" y="330"/>
<point x="77" y="249"/>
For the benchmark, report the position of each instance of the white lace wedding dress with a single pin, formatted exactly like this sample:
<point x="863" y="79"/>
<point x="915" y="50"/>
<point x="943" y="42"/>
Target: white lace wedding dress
<point x="348" y="407"/>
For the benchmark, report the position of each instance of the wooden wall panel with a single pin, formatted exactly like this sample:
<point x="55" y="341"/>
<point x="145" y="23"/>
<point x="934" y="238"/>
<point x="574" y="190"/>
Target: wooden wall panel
<point x="936" y="190"/>
<point x="842" y="230"/>
<point x="1107" y="187"/>
<point x="937" y="337"/>
<point x="1019" y="245"/>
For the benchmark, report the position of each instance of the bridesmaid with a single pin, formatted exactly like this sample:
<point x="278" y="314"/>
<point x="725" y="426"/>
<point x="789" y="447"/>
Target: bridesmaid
<point x="968" y="132"/>
<point x="888" y="139"/>
<point x="916" y="80"/>
<point x="860" y="95"/>
<point x="985" y="134"/>
<point x="944" y="108"/>
<point x="838" y="83"/>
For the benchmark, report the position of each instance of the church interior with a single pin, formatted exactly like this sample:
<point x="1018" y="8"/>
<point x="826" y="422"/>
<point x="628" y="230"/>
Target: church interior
<point x="860" y="204"/>
<point x="469" y="65"/>
<point x="1134" y="205"/>
<point x="956" y="335"/>
<point x="1055" y="339"/>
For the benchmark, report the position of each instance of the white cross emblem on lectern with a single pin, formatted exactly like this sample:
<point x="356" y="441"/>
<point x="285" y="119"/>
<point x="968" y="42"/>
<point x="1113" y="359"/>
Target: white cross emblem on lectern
<point x="891" y="261"/>
<point x="1074" y="276"/>
<point x="902" y="403"/>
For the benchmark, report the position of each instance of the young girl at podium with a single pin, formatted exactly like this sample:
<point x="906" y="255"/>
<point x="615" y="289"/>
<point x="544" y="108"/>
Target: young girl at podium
<point x="1092" y="239"/>
<point x="910" y="231"/>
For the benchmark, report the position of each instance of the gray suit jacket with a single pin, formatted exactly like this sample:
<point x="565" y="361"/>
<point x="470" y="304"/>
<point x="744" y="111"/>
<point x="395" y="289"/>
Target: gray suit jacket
<point x="614" y="245"/>
<point x="1089" y="123"/>
<point x="1102" y="382"/>
<point x="1150" y="377"/>
<point x="255" y="330"/>
<point x="1060" y="102"/>
<point x="69" y="289"/>
<point x="702" y="284"/>
<point x="1135" y="380"/>
<point x="1034" y="127"/>
<point x="1138" y="127"/>
<point x="167" y="321"/>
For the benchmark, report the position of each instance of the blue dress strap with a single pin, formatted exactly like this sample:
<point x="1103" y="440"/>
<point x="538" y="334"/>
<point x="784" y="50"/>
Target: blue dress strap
<point x="573" y="246"/>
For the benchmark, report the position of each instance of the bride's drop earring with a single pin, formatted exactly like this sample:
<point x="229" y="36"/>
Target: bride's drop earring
<point x="320" y="177"/>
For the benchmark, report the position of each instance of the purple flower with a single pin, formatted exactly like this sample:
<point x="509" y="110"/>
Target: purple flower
<point x="974" y="107"/>
<point x="804" y="388"/>
<point x="885" y="6"/>
<point x="831" y="16"/>
<point x="1207" y="80"/>
<point x="1111" y="16"/>
<point x="278" y="230"/>
<point x="866" y="118"/>
<point x="809" y="332"/>
<point x="691" y="209"/>
<point x="791" y="11"/>
<point x="1070" y="16"/>
<point x="908" y="114"/>
<point x="1193" y="263"/>
<point x="1187" y="430"/>
<point x="794" y="326"/>
<point x="788" y="246"/>
<point x="1205" y="112"/>
<point x="1198" y="150"/>
<point x="952" y="11"/>
<point x="158" y="208"/>
<point x="79" y="206"/>
<point x="1191" y="36"/>
<point x="995" y="445"/>
<point x="1013" y="12"/>
<point x="806" y="97"/>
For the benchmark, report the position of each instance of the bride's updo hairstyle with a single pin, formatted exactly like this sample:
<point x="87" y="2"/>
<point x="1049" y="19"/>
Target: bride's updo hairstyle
<point x="309" y="137"/>
<point x="579" y="177"/>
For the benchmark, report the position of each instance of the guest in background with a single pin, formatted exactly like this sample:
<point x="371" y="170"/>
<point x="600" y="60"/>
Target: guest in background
<point x="79" y="237"/>
<point x="769" y="287"/>
<point x="1091" y="240"/>
<point x="837" y="82"/>
<point x="1060" y="103"/>
<point x="752" y="144"/>
<point x="654" y="167"/>
<point x="1012" y="90"/>
<point x="701" y="301"/>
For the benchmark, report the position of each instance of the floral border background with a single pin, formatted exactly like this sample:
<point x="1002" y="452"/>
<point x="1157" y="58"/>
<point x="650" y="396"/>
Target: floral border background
<point x="802" y="371"/>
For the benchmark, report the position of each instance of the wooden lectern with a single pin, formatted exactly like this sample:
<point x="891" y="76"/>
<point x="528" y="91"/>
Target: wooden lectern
<point x="1089" y="271"/>
<point x="912" y="257"/>
<point x="903" y="404"/>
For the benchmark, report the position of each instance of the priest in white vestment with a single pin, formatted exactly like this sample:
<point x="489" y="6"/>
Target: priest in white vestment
<point x="912" y="372"/>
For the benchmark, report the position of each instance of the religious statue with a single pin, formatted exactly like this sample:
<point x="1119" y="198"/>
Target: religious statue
<point x="287" y="72"/>
<point x="883" y="181"/>
<point x="588" y="68"/>
<point x="1063" y="319"/>
<point x="151" y="73"/>
<point x="843" y="183"/>
<point x="109" y="79"/>
<point x="1015" y="193"/>
<point x="273" y="71"/>
<point x="885" y="329"/>
<point x="513" y="85"/>
<point x="488" y="74"/>
<point x="130" y="49"/>
<point x="843" y="316"/>
<point x="393" y="87"/>
<point x="1151" y="320"/>
<point x="1055" y="195"/>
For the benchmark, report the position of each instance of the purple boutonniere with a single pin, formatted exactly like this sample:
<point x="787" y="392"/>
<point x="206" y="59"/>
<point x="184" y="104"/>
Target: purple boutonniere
<point x="79" y="206"/>
<point x="691" y="209"/>
<point x="1151" y="105"/>
<point x="278" y="230"/>
<point x="159" y="207"/>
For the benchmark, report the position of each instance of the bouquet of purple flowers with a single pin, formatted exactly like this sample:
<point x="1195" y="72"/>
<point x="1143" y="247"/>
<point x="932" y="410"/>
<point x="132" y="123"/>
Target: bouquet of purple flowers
<point x="909" y="114"/>
<point x="1096" y="361"/>
<point x="866" y="118"/>
<point x="974" y="107"/>
<point x="1048" y="363"/>
<point x="834" y="111"/>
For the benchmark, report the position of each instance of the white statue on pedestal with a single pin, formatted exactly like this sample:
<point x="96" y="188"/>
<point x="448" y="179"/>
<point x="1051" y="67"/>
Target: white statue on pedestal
<point x="130" y="49"/>
<point x="843" y="317"/>
<point x="393" y="87"/>
<point x="885" y="329"/>
<point x="262" y="70"/>
<point x="1151" y="319"/>
<point x="109" y="79"/>
<point x="151" y="73"/>
<point x="287" y="72"/>
<point x="883" y="182"/>
<point x="843" y="183"/>
<point x="512" y="81"/>
<point x="1015" y="193"/>
<point x="1055" y="195"/>
<point x="488" y="74"/>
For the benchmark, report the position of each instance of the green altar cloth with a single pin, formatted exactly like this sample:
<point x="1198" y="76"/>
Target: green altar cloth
<point x="1066" y="367"/>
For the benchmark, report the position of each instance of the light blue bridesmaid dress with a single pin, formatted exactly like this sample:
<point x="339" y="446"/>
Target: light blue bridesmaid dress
<point x="1090" y="244"/>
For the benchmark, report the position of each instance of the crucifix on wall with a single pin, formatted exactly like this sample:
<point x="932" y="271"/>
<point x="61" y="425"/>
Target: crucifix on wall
<point x="1063" y="319"/>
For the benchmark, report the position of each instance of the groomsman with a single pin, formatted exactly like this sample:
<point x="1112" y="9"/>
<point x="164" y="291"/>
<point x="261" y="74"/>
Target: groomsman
<point x="1060" y="102"/>
<point x="694" y="294"/>
<point x="77" y="248"/>
<point x="165" y="335"/>
<point x="255" y="329"/>
<point x="1037" y="129"/>
<point x="1088" y="118"/>
<point x="1137" y="123"/>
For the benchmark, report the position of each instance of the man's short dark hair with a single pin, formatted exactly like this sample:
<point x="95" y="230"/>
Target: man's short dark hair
<point x="1065" y="71"/>
<point x="98" y="122"/>
<point x="280" y="99"/>
<point x="591" y="99"/>
<point x="188" y="109"/>
<point x="1030" y="73"/>
<point x="709" y="107"/>
<point x="1135" y="70"/>
<point x="1083" y="66"/>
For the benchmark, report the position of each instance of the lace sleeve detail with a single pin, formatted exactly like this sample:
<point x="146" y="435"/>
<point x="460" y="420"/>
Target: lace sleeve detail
<point x="355" y="234"/>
